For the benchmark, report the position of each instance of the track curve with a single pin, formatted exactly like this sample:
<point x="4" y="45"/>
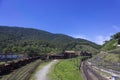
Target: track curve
<point x="90" y="74"/>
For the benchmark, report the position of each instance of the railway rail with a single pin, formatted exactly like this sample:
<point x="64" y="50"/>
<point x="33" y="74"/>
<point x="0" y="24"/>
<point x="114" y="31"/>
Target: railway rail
<point x="90" y="74"/>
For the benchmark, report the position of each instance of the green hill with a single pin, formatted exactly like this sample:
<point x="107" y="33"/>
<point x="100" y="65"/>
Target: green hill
<point x="28" y="40"/>
<point x="109" y="57"/>
<point x="110" y="45"/>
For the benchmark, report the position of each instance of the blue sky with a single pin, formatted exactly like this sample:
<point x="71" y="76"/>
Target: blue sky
<point x="94" y="20"/>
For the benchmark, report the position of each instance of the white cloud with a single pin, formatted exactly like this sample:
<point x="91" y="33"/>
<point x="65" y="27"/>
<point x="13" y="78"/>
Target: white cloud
<point x="100" y="39"/>
<point x="97" y="39"/>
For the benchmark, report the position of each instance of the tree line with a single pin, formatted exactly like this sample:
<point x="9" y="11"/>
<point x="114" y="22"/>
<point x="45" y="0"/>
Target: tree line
<point x="33" y="42"/>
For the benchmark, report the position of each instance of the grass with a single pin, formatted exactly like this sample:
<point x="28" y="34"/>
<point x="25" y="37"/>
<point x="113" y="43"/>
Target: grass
<point x="110" y="45"/>
<point x="66" y="70"/>
<point x="114" y="58"/>
<point x="108" y="60"/>
<point x="115" y="51"/>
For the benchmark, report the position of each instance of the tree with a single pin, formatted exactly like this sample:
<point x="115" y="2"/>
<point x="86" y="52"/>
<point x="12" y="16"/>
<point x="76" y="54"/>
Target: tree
<point x="119" y="41"/>
<point x="116" y="36"/>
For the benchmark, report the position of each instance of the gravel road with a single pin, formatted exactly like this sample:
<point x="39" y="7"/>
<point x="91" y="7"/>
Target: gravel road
<point x="42" y="74"/>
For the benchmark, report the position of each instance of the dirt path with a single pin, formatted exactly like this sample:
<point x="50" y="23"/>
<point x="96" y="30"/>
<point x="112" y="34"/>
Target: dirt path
<point x="42" y="74"/>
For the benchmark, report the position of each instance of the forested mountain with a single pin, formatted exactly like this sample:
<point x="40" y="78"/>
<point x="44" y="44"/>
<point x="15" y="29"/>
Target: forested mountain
<point x="33" y="41"/>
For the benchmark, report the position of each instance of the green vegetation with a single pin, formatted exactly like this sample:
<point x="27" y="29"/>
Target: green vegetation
<point x="113" y="51"/>
<point x="107" y="60"/>
<point x="113" y="58"/>
<point x="66" y="70"/>
<point x="116" y="36"/>
<point x="31" y="42"/>
<point x="116" y="50"/>
<point x="86" y="48"/>
<point x="110" y="45"/>
<point x="109" y="57"/>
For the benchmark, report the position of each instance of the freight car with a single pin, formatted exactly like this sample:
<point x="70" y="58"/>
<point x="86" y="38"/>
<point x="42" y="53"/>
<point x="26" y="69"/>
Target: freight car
<point x="70" y="54"/>
<point x="84" y="53"/>
<point x="12" y="65"/>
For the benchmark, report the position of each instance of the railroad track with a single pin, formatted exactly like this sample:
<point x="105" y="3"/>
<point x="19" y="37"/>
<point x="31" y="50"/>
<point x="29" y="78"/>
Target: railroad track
<point x="90" y="74"/>
<point x="22" y="73"/>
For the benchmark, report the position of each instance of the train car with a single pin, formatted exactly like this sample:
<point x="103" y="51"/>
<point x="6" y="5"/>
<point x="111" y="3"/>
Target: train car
<point x="69" y="54"/>
<point x="12" y="65"/>
<point x="84" y="53"/>
<point x="56" y="56"/>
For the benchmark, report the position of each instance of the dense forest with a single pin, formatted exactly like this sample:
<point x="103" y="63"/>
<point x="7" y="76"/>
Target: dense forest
<point x="31" y="42"/>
